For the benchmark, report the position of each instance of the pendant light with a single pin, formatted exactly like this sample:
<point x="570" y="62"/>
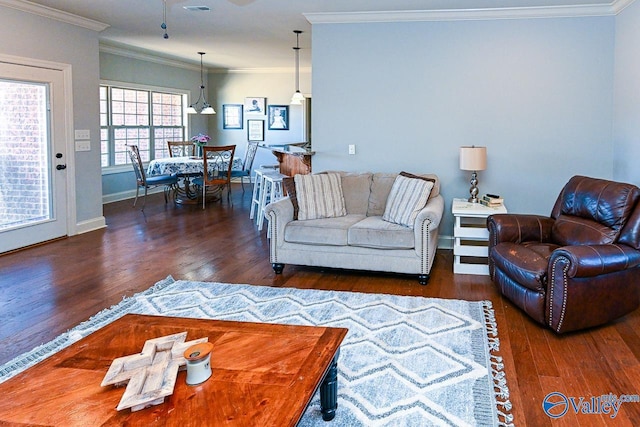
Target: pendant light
<point x="297" y="97"/>
<point x="164" y="20"/>
<point x="205" y="108"/>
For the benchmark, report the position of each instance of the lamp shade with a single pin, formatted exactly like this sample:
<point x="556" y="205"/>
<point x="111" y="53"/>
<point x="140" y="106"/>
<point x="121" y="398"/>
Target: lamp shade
<point x="473" y="158"/>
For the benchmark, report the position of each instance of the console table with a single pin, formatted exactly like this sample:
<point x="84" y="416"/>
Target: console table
<point x="470" y="252"/>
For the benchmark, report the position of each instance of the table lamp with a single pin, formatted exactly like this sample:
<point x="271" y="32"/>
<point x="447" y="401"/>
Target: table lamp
<point x="473" y="159"/>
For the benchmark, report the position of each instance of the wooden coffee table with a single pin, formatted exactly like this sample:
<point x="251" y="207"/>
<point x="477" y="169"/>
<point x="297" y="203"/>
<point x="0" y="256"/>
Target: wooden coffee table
<point x="262" y="375"/>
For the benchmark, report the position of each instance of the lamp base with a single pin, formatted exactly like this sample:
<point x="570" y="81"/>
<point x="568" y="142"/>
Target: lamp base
<point x="474" y="188"/>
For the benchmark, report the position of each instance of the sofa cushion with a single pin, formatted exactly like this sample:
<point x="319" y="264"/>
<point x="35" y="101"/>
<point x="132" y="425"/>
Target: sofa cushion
<point x="522" y="264"/>
<point x="325" y="231"/>
<point x="380" y="188"/>
<point x="356" y="189"/>
<point x="407" y="197"/>
<point x="374" y="232"/>
<point x="381" y="184"/>
<point x="319" y="196"/>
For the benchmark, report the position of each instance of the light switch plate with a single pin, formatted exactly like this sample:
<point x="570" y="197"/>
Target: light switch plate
<point x="352" y="149"/>
<point x="83" y="145"/>
<point x="82" y="134"/>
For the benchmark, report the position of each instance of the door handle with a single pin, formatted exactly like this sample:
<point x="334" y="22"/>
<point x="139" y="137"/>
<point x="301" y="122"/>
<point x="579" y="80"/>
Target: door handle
<point x="61" y="167"/>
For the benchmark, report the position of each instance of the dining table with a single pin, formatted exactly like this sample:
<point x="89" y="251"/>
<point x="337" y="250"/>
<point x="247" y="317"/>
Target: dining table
<point x="186" y="167"/>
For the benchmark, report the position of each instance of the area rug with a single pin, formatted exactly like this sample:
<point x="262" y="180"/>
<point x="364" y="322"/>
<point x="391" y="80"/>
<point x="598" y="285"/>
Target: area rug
<point x="406" y="361"/>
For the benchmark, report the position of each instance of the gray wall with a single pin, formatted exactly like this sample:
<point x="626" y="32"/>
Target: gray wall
<point x="538" y="93"/>
<point x="627" y="96"/>
<point x="32" y="36"/>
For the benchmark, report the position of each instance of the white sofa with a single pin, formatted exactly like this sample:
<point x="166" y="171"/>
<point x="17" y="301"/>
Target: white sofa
<point x="360" y="240"/>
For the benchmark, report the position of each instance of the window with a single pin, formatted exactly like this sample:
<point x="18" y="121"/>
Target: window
<point x="140" y="116"/>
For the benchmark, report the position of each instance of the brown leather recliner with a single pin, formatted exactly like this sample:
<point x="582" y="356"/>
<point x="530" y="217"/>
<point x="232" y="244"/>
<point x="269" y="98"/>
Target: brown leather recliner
<point x="578" y="267"/>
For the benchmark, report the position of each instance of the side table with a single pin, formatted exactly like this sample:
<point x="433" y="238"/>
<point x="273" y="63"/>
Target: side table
<point x="470" y="252"/>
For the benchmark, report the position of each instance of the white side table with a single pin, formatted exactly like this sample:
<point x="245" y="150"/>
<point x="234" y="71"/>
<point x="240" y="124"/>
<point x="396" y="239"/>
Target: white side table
<point x="470" y="252"/>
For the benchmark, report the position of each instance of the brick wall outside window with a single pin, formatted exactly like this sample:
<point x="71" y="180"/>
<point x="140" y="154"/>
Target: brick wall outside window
<point x="24" y="178"/>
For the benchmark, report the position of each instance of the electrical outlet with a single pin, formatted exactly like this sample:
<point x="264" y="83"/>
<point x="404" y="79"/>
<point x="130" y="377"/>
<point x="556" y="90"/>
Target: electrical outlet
<point x="352" y="149"/>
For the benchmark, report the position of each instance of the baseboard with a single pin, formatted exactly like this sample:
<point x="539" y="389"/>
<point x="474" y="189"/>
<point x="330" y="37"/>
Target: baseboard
<point x="91" y="225"/>
<point x="445" y="242"/>
<point x="125" y="195"/>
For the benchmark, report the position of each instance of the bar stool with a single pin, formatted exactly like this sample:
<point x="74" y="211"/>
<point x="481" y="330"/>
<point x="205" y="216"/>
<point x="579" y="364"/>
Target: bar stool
<point x="257" y="189"/>
<point x="258" y="183"/>
<point x="270" y="192"/>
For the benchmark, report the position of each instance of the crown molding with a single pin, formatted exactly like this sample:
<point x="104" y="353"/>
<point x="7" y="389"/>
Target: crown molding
<point x="128" y="52"/>
<point x="609" y="9"/>
<point x="274" y="70"/>
<point x="58" y="15"/>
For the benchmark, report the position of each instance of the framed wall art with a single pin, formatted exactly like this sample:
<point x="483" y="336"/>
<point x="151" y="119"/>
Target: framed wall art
<point x="255" y="130"/>
<point x="255" y="106"/>
<point x="232" y="116"/>
<point x="278" y="117"/>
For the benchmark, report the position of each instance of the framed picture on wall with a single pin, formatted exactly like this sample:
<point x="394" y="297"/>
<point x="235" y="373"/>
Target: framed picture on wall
<point x="232" y="116"/>
<point x="255" y="130"/>
<point x="255" y="106"/>
<point x="278" y="117"/>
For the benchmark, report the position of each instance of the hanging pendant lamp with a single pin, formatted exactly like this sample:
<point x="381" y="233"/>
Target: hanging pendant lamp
<point x="196" y="107"/>
<point x="297" y="97"/>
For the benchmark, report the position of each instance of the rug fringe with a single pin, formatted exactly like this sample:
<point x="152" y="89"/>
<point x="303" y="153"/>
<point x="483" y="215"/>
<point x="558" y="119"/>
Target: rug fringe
<point x="505" y="418"/>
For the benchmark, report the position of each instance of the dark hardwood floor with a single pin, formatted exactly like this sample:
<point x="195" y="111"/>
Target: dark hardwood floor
<point x="46" y="290"/>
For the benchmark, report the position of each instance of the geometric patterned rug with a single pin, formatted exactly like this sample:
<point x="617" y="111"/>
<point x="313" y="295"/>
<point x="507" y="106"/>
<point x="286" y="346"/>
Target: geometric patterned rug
<point x="406" y="361"/>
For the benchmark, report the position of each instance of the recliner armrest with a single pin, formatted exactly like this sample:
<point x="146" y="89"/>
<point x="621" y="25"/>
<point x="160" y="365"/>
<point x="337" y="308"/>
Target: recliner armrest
<point x="517" y="228"/>
<point x="594" y="260"/>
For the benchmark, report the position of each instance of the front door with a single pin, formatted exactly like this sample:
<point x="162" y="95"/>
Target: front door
<point x="33" y="189"/>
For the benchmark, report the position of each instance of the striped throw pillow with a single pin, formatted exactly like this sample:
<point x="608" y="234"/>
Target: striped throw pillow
<point x="319" y="196"/>
<point x="406" y="198"/>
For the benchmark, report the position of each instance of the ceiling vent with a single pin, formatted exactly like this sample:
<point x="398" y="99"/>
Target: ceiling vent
<point x="197" y="8"/>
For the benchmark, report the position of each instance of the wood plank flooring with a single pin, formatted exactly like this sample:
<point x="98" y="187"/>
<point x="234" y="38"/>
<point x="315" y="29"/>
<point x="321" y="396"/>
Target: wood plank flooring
<point x="46" y="290"/>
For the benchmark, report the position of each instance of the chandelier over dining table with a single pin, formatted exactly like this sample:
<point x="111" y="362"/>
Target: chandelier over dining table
<point x="201" y="106"/>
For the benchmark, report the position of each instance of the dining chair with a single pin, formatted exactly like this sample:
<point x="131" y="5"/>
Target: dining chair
<point x="181" y="148"/>
<point x="218" y="161"/>
<point x="247" y="163"/>
<point x="143" y="181"/>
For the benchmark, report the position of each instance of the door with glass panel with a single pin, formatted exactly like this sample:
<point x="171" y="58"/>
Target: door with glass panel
<point x="33" y="190"/>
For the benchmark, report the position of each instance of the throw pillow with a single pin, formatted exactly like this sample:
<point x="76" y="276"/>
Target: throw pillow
<point x="407" y="197"/>
<point x="319" y="196"/>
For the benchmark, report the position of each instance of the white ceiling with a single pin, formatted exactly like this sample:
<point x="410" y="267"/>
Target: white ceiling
<point x="258" y="34"/>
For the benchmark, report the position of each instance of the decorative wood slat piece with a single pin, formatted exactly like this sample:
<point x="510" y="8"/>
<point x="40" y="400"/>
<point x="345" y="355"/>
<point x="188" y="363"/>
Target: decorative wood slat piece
<point x="151" y="375"/>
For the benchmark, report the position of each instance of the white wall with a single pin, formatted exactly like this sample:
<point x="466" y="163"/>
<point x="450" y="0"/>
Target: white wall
<point x="32" y="36"/>
<point x="627" y="95"/>
<point x="538" y="93"/>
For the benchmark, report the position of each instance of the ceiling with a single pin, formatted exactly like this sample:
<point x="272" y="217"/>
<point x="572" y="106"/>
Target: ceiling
<point x="258" y="34"/>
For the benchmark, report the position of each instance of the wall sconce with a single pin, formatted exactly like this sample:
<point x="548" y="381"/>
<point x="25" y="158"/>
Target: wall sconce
<point x="473" y="159"/>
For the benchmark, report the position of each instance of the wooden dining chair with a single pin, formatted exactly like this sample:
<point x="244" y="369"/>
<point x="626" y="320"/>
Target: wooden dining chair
<point x="218" y="161"/>
<point x="181" y="148"/>
<point x="143" y="181"/>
